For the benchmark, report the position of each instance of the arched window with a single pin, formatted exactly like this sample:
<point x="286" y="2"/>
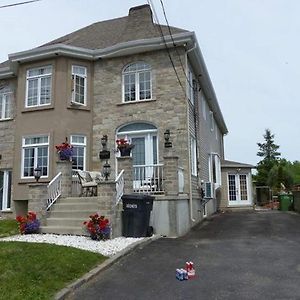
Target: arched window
<point x="144" y="137"/>
<point x="137" y="83"/>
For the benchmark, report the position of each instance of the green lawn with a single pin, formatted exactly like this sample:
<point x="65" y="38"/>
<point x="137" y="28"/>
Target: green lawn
<point x="8" y="227"/>
<point x="38" y="271"/>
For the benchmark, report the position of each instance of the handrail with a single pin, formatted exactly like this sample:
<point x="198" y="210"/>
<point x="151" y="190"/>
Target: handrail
<point x="119" y="186"/>
<point x="54" y="190"/>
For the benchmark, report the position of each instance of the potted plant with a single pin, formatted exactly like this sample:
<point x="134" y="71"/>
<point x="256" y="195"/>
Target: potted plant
<point x="98" y="227"/>
<point x="124" y="147"/>
<point x="64" y="150"/>
<point x="29" y="223"/>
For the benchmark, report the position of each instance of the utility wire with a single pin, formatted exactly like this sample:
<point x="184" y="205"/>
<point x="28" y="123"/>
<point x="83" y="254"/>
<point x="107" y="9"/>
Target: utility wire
<point x="19" y="3"/>
<point x="166" y="46"/>
<point x="181" y="63"/>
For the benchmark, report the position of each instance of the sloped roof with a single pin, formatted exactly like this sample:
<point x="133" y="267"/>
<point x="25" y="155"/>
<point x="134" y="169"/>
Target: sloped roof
<point x="136" y="26"/>
<point x="4" y="64"/>
<point x="234" y="164"/>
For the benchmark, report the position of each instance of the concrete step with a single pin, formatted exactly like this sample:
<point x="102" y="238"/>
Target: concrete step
<point x="76" y="200"/>
<point x="64" y="230"/>
<point x="74" y="207"/>
<point x="65" y="222"/>
<point x="82" y="214"/>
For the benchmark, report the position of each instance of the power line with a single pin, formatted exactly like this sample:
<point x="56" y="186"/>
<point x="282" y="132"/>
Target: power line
<point x="19" y="3"/>
<point x="166" y="46"/>
<point x="165" y="15"/>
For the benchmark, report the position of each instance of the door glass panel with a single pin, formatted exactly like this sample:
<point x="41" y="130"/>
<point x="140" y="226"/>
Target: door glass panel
<point x="232" y="187"/>
<point x="1" y="189"/>
<point x="243" y="187"/>
<point x="154" y="141"/>
<point x="138" y="152"/>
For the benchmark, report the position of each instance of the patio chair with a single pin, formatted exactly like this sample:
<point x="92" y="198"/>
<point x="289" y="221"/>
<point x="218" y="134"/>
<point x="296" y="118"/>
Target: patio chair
<point x="88" y="185"/>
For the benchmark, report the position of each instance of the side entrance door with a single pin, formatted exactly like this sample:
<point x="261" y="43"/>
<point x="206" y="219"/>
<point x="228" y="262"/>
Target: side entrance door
<point x="238" y="190"/>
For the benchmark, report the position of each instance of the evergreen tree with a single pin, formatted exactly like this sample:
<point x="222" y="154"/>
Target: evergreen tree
<point x="269" y="152"/>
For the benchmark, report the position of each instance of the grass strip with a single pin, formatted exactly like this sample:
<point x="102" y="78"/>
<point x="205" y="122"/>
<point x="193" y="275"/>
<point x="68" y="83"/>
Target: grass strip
<point x="38" y="271"/>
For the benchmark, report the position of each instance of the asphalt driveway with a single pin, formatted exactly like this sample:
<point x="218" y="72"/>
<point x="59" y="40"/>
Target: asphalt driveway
<point x="241" y="255"/>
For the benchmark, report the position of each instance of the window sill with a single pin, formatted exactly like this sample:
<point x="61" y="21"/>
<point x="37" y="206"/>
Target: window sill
<point x="5" y="120"/>
<point x="37" y="108"/>
<point x="78" y="106"/>
<point x="5" y="211"/>
<point x="136" y="102"/>
<point x="32" y="180"/>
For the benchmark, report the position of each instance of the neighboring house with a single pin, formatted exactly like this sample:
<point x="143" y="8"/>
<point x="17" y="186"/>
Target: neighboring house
<point x="114" y="78"/>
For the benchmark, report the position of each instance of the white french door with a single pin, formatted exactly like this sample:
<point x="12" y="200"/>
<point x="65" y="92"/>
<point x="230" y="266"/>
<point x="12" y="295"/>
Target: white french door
<point x="238" y="189"/>
<point x="5" y="190"/>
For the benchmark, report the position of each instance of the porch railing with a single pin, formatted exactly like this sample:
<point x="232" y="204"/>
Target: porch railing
<point x="119" y="186"/>
<point x="54" y="190"/>
<point x="76" y="186"/>
<point x="148" y="179"/>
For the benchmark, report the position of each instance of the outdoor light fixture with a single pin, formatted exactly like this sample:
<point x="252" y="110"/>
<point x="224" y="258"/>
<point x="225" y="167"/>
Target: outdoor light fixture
<point x="37" y="172"/>
<point x="168" y="144"/>
<point x="106" y="170"/>
<point x="104" y="153"/>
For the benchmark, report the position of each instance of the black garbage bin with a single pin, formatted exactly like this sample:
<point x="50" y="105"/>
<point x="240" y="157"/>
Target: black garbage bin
<point x="136" y="215"/>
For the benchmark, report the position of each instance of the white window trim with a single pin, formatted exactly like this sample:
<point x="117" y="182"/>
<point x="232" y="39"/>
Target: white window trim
<point x="5" y="191"/>
<point x="39" y="86"/>
<point x="74" y="83"/>
<point x="82" y="145"/>
<point x="216" y="158"/>
<point x="212" y="121"/>
<point x="137" y="85"/>
<point x="189" y="82"/>
<point x="2" y="96"/>
<point x="25" y="146"/>
<point x="193" y="149"/>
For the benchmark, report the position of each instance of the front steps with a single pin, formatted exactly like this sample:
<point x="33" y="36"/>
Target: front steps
<point x="67" y="215"/>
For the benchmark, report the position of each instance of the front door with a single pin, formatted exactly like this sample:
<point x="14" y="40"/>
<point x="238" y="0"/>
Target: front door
<point x="238" y="190"/>
<point x="5" y="190"/>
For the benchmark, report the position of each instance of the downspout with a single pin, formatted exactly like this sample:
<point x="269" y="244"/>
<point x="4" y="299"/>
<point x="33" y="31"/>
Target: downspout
<point x="189" y="145"/>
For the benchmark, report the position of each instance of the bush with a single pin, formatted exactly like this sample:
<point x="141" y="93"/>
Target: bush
<point x="28" y="224"/>
<point x="98" y="227"/>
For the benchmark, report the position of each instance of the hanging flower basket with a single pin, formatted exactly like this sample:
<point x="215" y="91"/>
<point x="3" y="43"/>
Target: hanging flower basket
<point x="124" y="147"/>
<point x="64" y="151"/>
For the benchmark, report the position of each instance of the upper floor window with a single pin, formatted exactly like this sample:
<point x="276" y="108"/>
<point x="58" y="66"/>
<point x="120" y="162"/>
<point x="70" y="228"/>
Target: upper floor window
<point x="137" y="83"/>
<point x="79" y="85"/>
<point x="190" y="85"/>
<point x="212" y="121"/>
<point x="38" y="87"/>
<point x="79" y="151"/>
<point x="193" y="156"/>
<point x="5" y="105"/>
<point x="35" y="154"/>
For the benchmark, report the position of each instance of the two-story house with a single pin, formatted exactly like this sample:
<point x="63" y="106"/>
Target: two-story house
<point x="125" y="78"/>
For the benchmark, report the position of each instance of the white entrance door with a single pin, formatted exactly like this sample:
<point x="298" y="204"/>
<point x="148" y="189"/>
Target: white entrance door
<point x="5" y="190"/>
<point x="238" y="190"/>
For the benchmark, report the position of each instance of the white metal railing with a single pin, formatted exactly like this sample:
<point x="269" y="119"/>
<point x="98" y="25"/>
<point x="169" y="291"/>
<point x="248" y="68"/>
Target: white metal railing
<point x="119" y="186"/>
<point x="54" y="190"/>
<point x="148" y="179"/>
<point x="76" y="186"/>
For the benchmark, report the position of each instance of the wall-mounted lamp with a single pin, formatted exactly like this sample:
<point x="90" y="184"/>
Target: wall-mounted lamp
<point x="167" y="134"/>
<point x="104" y="153"/>
<point x="37" y="173"/>
<point x="106" y="170"/>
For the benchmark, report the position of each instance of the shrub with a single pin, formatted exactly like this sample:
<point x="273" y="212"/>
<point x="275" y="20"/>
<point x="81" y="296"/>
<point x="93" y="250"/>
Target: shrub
<point x="98" y="227"/>
<point x="28" y="224"/>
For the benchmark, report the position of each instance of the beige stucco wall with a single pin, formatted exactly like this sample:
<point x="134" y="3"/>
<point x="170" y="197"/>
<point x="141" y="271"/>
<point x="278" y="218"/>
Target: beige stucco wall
<point x="58" y="120"/>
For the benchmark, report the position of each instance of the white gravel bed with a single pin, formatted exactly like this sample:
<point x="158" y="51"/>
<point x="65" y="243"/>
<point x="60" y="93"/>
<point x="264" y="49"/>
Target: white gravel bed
<point x="106" y="248"/>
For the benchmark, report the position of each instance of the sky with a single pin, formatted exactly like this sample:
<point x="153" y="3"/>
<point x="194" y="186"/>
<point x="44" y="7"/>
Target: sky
<point x="250" y="47"/>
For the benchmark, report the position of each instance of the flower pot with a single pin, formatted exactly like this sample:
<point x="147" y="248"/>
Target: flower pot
<point x="125" y="151"/>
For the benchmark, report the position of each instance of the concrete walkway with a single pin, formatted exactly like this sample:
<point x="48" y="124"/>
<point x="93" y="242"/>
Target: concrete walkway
<point x="241" y="255"/>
